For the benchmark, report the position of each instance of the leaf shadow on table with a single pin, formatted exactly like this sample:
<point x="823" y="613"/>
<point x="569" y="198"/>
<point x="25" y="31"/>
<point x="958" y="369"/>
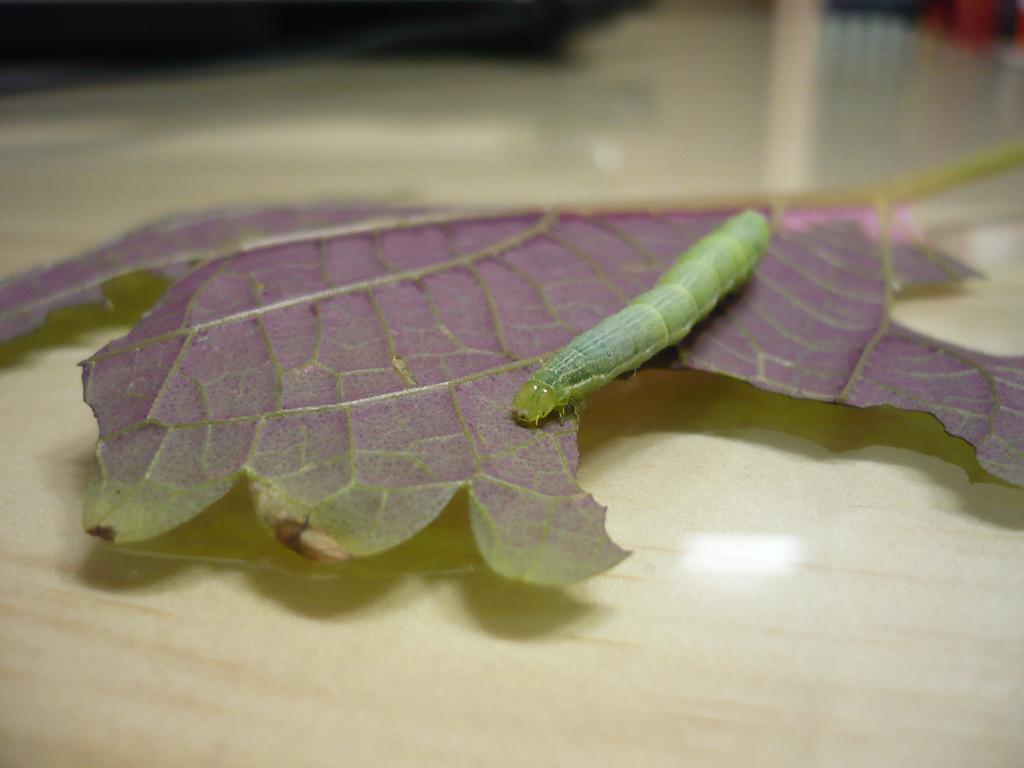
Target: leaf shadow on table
<point x="228" y="537"/>
<point x="698" y="402"/>
<point x="128" y="298"/>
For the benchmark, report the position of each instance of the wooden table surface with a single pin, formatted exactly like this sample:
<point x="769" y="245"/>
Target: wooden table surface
<point x="811" y="585"/>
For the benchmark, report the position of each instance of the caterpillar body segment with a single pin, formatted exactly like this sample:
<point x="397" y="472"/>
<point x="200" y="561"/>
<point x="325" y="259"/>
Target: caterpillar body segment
<point x="711" y="268"/>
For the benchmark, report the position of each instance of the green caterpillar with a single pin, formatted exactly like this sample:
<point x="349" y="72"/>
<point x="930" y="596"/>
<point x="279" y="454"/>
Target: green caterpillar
<point x="662" y="316"/>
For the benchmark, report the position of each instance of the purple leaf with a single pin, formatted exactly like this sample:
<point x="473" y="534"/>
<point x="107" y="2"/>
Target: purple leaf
<point x="169" y="248"/>
<point x="814" y="323"/>
<point x="359" y="381"/>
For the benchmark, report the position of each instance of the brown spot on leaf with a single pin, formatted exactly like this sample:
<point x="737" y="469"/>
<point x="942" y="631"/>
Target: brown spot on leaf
<point x="104" y="532"/>
<point x="311" y="543"/>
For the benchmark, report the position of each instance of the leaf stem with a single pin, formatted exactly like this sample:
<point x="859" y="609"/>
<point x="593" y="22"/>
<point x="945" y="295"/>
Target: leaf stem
<point x="902" y="189"/>
<point x="972" y="168"/>
<point x="921" y="184"/>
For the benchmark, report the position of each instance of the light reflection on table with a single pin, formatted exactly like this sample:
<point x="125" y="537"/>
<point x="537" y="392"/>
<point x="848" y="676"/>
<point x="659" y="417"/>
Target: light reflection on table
<point x="757" y="555"/>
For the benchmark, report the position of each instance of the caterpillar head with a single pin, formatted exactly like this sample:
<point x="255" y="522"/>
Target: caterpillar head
<point x="533" y="402"/>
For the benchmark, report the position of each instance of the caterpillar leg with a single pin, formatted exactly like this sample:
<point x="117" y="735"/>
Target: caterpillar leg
<point x="574" y="408"/>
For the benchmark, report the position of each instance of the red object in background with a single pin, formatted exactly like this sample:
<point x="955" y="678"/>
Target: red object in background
<point x="971" y="22"/>
<point x="938" y="14"/>
<point x="1020" y="23"/>
<point x="976" y="21"/>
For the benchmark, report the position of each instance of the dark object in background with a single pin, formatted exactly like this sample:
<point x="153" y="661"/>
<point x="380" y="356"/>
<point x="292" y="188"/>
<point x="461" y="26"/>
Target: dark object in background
<point x="907" y="8"/>
<point x="972" y="22"/>
<point x="120" y="31"/>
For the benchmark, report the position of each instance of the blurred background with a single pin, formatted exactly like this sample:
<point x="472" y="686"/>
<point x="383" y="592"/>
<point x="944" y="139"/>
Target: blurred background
<point x="166" y="106"/>
<point x="77" y="32"/>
